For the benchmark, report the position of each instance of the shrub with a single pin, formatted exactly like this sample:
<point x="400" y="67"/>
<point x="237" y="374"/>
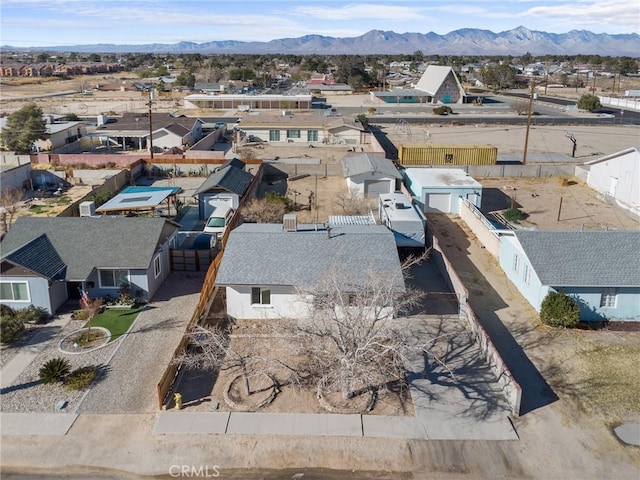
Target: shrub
<point x="32" y="314"/>
<point x="54" y="370"/>
<point x="442" y="110"/>
<point x="589" y="102"/>
<point x="514" y="215"/>
<point x="81" y="378"/>
<point x="11" y="326"/>
<point x="559" y="310"/>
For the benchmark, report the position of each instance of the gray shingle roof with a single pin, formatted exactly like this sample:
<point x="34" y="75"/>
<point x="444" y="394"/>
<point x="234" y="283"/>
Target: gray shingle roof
<point x="230" y="178"/>
<point x="577" y="258"/>
<point x="39" y="256"/>
<point x="359" y="163"/>
<point x="265" y="254"/>
<point x="85" y="243"/>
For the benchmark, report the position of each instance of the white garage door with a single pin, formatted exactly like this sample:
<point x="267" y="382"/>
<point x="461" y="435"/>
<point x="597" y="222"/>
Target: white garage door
<point x="437" y="203"/>
<point x="373" y="188"/>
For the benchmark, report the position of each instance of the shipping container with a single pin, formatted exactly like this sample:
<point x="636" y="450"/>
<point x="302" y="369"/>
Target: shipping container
<point x="447" y="154"/>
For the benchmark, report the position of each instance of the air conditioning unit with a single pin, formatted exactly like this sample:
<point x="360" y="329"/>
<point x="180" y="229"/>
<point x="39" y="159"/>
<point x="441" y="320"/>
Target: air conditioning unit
<point x="87" y="209"/>
<point x="290" y="222"/>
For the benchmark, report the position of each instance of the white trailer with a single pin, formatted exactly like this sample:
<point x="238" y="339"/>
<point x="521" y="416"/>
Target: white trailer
<point x="404" y="219"/>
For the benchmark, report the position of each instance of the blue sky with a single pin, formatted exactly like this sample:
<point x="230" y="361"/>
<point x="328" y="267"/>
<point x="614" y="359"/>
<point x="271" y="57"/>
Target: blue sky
<point x="27" y="23"/>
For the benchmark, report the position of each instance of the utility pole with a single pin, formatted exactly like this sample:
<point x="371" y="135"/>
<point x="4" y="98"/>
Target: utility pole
<point x="526" y="138"/>
<point x="150" y="104"/>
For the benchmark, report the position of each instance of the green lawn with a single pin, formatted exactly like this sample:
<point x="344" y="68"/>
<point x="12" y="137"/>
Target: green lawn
<point x="116" y="321"/>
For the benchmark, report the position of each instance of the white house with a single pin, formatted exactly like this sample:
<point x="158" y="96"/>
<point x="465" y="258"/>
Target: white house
<point x="266" y="268"/>
<point x="370" y="174"/>
<point x="617" y="176"/>
<point x="439" y="190"/>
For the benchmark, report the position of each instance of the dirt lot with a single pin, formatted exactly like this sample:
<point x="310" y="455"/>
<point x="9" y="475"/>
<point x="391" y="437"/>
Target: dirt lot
<point x="540" y="199"/>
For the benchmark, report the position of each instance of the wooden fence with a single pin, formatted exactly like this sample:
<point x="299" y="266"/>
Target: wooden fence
<point x="206" y="297"/>
<point x="189" y="260"/>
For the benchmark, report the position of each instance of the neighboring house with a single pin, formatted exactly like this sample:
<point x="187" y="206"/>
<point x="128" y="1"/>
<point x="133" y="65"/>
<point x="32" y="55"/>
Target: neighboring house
<point x="209" y="87"/>
<point x="248" y="102"/>
<point x="599" y="269"/>
<point x="617" y="176"/>
<point x="442" y="85"/>
<point x="306" y="129"/>
<point x="370" y="174"/>
<point x="229" y="182"/>
<point x="267" y="269"/>
<point x="59" y="132"/>
<point x="438" y="190"/>
<point x="47" y="261"/>
<point x="131" y="131"/>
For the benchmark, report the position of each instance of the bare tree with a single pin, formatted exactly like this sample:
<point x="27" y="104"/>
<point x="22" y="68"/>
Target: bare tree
<point x="264" y="211"/>
<point x="9" y="200"/>
<point x="349" y="338"/>
<point x="90" y="308"/>
<point x="353" y="203"/>
<point x="521" y="107"/>
<point x="210" y="347"/>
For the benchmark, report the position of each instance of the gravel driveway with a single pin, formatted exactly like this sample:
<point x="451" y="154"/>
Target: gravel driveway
<point x="133" y="373"/>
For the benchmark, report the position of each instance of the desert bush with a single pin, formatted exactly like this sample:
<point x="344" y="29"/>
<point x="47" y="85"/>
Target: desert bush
<point x="81" y="378"/>
<point x="514" y="215"/>
<point x="559" y="310"/>
<point x="11" y="326"/>
<point x="32" y="314"/>
<point x="54" y="370"/>
<point x="589" y="102"/>
<point x="442" y="110"/>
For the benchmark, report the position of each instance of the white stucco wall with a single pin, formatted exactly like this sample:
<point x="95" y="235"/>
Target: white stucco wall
<point x="285" y="303"/>
<point x="618" y="178"/>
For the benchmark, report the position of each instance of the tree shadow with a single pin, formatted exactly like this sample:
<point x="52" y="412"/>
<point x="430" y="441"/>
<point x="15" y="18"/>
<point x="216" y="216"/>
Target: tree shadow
<point x="456" y="371"/>
<point x="485" y="301"/>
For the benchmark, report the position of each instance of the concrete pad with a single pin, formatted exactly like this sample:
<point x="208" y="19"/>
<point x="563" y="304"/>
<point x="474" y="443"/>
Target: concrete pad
<point x="447" y="425"/>
<point x="393" y="427"/>
<point x="629" y="433"/>
<point x="295" y="424"/>
<point x="36" y="423"/>
<point x="191" y="422"/>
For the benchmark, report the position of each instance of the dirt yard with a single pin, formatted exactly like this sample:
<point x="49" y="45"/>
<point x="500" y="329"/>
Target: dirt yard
<point x="540" y="199"/>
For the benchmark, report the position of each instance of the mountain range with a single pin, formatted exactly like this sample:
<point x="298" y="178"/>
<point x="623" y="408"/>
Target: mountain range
<point x="466" y="41"/>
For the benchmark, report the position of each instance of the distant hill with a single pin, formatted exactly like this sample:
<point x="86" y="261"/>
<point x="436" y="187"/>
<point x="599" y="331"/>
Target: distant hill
<point x="467" y="41"/>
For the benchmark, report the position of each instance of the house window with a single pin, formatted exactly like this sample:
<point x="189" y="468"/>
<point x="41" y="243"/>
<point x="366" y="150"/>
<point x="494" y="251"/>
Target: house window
<point x="609" y="297"/>
<point x="293" y="133"/>
<point x="14" y="291"/>
<point x="260" y="296"/>
<point x="312" y="135"/>
<point x="527" y="275"/>
<point x="113" y="278"/>
<point x="157" y="266"/>
<point x="516" y="263"/>
<point x="274" y="135"/>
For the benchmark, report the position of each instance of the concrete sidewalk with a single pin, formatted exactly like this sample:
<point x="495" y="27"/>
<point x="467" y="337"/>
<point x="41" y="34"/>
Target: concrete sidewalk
<point x="36" y="423"/>
<point x="31" y="350"/>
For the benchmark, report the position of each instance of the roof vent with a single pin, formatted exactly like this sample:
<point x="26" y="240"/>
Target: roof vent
<point x="290" y="222"/>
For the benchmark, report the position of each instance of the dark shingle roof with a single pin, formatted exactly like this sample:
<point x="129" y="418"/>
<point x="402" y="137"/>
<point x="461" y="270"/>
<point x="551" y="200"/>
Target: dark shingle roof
<point x="265" y="254"/>
<point x="39" y="256"/>
<point x="359" y="163"/>
<point x="230" y="178"/>
<point x="85" y="243"/>
<point x="583" y="258"/>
